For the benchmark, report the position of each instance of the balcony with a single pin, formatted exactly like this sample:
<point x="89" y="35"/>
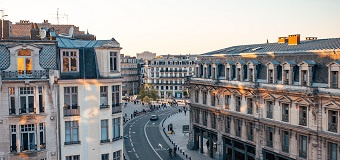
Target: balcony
<point x="42" y="146"/>
<point x="12" y="111"/>
<point x="285" y="118"/>
<point x="333" y="127"/>
<point x="28" y="147"/>
<point x="25" y="110"/>
<point x="303" y="121"/>
<point x="105" y="141"/>
<point x="238" y="133"/>
<point x="13" y="148"/>
<point x="117" y="138"/>
<point x="269" y="143"/>
<point x="302" y="153"/>
<point x="271" y="80"/>
<point x="334" y="85"/>
<point x="250" y="137"/>
<point x="25" y="74"/>
<point x="251" y="79"/>
<point x="285" y="148"/>
<point x="116" y="108"/>
<point x="197" y="120"/>
<point x="227" y="130"/>
<point x="286" y="81"/>
<point x="72" y="111"/>
<point x="71" y="142"/>
<point x="213" y="125"/>
<point x="205" y="122"/>
<point x="238" y="108"/>
<point x="250" y="111"/>
<point x="103" y="106"/>
<point x="304" y="83"/>
<point x="270" y="114"/>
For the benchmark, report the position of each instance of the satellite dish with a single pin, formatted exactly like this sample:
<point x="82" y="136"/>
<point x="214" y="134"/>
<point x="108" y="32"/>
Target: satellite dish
<point x="42" y="33"/>
<point x="70" y="32"/>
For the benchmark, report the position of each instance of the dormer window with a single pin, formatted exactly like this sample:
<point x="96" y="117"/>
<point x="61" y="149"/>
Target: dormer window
<point x="333" y="72"/>
<point x="273" y="71"/>
<point x="70" y="59"/>
<point x="24" y="62"/>
<point x="252" y="70"/>
<point x="113" y="62"/>
<point x="287" y="72"/>
<point x="229" y="70"/>
<point x="306" y="72"/>
<point x="240" y="70"/>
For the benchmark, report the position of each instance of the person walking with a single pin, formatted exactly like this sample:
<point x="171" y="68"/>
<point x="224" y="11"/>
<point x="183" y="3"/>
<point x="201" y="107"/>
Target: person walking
<point x="175" y="149"/>
<point x="170" y="152"/>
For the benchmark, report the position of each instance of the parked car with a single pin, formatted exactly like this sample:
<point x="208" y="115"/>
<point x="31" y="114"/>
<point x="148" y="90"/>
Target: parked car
<point x="153" y="118"/>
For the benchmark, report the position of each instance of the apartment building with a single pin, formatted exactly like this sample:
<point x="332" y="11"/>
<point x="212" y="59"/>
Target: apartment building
<point x="268" y="101"/>
<point x="131" y="71"/>
<point x="168" y="74"/>
<point x="89" y="101"/>
<point x="28" y="112"/>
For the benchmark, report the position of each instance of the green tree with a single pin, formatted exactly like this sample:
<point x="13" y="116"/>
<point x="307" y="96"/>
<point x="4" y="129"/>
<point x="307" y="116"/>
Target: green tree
<point x="149" y="91"/>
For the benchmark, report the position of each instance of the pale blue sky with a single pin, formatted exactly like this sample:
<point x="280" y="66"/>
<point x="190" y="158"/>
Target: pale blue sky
<point x="185" y="26"/>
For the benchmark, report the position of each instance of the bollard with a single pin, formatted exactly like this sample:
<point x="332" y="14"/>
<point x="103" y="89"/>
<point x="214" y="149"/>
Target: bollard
<point x="186" y="156"/>
<point x="183" y="153"/>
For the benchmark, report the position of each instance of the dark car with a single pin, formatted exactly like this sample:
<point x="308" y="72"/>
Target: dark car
<point x="153" y="118"/>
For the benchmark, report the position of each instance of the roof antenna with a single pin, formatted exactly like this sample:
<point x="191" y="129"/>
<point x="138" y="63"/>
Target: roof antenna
<point x="267" y="41"/>
<point x="58" y="15"/>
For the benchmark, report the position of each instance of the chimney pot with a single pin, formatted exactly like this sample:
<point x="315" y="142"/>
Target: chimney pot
<point x="311" y="38"/>
<point x="282" y="40"/>
<point x="294" y="39"/>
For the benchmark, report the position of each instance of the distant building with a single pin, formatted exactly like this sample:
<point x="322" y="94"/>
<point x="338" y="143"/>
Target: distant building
<point x="146" y="55"/>
<point x="268" y="101"/>
<point x="7" y="29"/>
<point x="168" y="74"/>
<point x="131" y="73"/>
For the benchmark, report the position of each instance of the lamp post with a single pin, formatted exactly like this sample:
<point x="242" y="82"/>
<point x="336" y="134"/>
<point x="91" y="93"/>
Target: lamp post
<point x="2" y="23"/>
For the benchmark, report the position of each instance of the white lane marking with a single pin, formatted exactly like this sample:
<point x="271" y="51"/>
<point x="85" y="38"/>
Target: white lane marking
<point x="131" y="144"/>
<point x="160" y="145"/>
<point x="147" y="138"/>
<point x="134" y="149"/>
<point x="130" y="140"/>
<point x="137" y="155"/>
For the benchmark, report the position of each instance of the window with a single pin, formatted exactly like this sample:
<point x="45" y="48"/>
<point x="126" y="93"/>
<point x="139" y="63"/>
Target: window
<point x="205" y="118"/>
<point x="24" y="61"/>
<point x="71" y="101"/>
<point x="197" y="116"/>
<point x="250" y="130"/>
<point x="213" y="121"/>
<point x="113" y="61"/>
<point x="103" y="97"/>
<point x="76" y="157"/>
<point x="116" y="128"/>
<point x="71" y="132"/>
<point x="238" y="103"/>
<point x="105" y="156"/>
<point x="227" y="124"/>
<point x="204" y="97"/>
<point x="28" y="137"/>
<point x="270" y="137"/>
<point x="116" y="155"/>
<point x="26" y="95"/>
<point x="285" y="112"/>
<point x="304" y="77"/>
<point x="238" y="127"/>
<point x="115" y="96"/>
<point x="196" y="95"/>
<point x="285" y="141"/>
<point x="286" y="77"/>
<point x="104" y="131"/>
<point x="332" y="151"/>
<point x="70" y="61"/>
<point x="226" y="101"/>
<point x="334" y="79"/>
<point x="333" y="121"/>
<point x="13" y="134"/>
<point x="250" y="105"/>
<point x="271" y="76"/>
<point x="41" y="102"/>
<point x="213" y="100"/>
<point x="303" y="115"/>
<point x="11" y="92"/>
<point x="42" y="136"/>
<point x="269" y="109"/>
<point x="303" y="146"/>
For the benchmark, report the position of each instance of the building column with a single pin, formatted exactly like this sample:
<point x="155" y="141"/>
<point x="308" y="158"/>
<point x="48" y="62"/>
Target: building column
<point x="211" y="145"/>
<point x="201" y="140"/>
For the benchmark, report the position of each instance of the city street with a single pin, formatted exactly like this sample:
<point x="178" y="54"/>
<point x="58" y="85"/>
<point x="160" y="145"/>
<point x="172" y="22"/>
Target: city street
<point x="143" y="140"/>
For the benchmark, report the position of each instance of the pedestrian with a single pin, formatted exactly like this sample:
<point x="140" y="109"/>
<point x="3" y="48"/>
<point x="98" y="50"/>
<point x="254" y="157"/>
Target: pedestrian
<point x="207" y="143"/>
<point x="175" y="149"/>
<point x="185" y="112"/>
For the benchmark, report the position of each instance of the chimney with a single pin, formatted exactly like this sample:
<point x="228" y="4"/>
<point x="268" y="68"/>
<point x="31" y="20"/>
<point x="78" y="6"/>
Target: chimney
<point x="311" y="38"/>
<point x="282" y="40"/>
<point x="294" y="39"/>
<point x="34" y="32"/>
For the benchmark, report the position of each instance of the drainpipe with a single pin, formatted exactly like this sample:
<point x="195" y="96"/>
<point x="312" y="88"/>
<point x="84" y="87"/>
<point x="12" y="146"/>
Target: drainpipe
<point x="59" y="132"/>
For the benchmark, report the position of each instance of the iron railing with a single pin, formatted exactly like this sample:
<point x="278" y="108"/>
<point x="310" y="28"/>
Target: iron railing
<point x="250" y="110"/>
<point x="72" y="111"/>
<point x="238" y="108"/>
<point x="12" y="111"/>
<point x="285" y="148"/>
<point x="28" y="147"/>
<point x="71" y="142"/>
<point x="286" y="81"/>
<point x="269" y="143"/>
<point x="285" y="117"/>
<point x="238" y="133"/>
<point x="303" y="121"/>
<point x="205" y="122"/>
<point x="104" y="106"/>
<point x="116" y="108"/>
<point x="227" y="130"/>
<point x="250" y="137"/>
<point x="270" y="114"/>
<point x="333" y="127"/>
<point x="13" y="148"/>
<point x="303" y="153"/>
<point x="33" y="74"/>
<point x="25" y="110"/>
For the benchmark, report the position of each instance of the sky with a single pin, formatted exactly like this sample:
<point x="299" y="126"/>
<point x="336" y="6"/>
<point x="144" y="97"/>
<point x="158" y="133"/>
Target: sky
<point x="185" y="26"/>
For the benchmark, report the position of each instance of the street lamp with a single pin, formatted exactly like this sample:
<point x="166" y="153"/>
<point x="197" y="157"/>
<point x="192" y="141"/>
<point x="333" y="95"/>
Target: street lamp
<point x="2" y="23"/>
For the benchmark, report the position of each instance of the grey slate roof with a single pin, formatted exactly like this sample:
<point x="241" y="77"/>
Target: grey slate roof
<point x="230" y="62"/>
<point x="309" y="62"/>
<point x="255" y="62"/>
<point x="241" y="62"/>
<point x="320" y="44"/>
<point x="274" y="62"/>
<point x="290" y="62"/>
<point x="77" y="43"/>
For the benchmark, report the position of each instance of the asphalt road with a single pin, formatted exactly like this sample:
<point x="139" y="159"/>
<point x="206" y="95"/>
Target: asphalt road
<point x="143" y="139"/>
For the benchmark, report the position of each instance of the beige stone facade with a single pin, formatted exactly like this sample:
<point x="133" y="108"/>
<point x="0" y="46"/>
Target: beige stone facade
<point x="272" y="104"/>
<point x="131" y="71"/>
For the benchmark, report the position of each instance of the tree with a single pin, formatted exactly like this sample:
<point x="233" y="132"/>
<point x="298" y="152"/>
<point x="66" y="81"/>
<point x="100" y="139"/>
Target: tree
<point x="147" y="99"/>
<point x="148" y="91"/>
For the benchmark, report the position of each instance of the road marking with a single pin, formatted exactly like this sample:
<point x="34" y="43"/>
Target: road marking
<point x="136" y="155"/>
<point x="130" y="140"/>
<point x="131" y="144"/>
<point x="147" y="138"/>
<point x="160" y="145"/>
<point x="134" y="149"/>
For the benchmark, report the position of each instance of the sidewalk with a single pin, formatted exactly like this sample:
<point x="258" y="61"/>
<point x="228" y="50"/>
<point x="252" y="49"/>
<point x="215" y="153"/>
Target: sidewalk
<point x="181" y="139"/>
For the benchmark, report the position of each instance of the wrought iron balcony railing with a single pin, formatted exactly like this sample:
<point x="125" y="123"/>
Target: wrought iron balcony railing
<point x="285" y="118"/>
<point x="12" y="111"/>
<point x="13" y="148"/>
<point x="285" y="148"/>
<point x="205" y="122"/>
<point x="286" y="81"/>
<point x="22" y="74"/>
<point x="227" y="130"/>
<point x="270" y="114"/>
<point x="250" y="111"/>
<point x="302" y="153"/>
<point x="250" y="137"/>
<point x="116" y="108"/>
<point x="238" y="133"/>
<point x="25" y="110"/>
<point x="333" y="127"/>
<point x="238" y="108"/>
<point x="303" y="121"/>
<point x="269" y="143"/>
<point x="28" y="147"/>
<point x="72" y="111"/>
<point x="102" y="106"/>
<point x="334" y="85"/>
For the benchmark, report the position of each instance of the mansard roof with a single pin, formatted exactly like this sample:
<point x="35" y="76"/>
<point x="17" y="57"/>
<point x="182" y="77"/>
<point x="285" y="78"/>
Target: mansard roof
<point x="310" y="45"/>
<point x="78" y="43"/>
<point x="273" y="62"/>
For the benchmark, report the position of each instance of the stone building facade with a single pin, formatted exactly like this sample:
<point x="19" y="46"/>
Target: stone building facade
<point x="90" y="93"/>
<point x="28" y="112"/>
<point x="268" y="101"/>
<point x="168" y="74"/>
<point x="131" y="71"/>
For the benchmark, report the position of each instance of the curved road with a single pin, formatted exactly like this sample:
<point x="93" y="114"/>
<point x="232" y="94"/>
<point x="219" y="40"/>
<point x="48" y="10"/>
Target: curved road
<point x="143" y="139"/>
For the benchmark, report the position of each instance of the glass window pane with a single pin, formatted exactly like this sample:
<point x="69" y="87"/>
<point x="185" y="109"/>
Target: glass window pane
<point x="73" y="64"/>
<point x="66" y="64"/>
